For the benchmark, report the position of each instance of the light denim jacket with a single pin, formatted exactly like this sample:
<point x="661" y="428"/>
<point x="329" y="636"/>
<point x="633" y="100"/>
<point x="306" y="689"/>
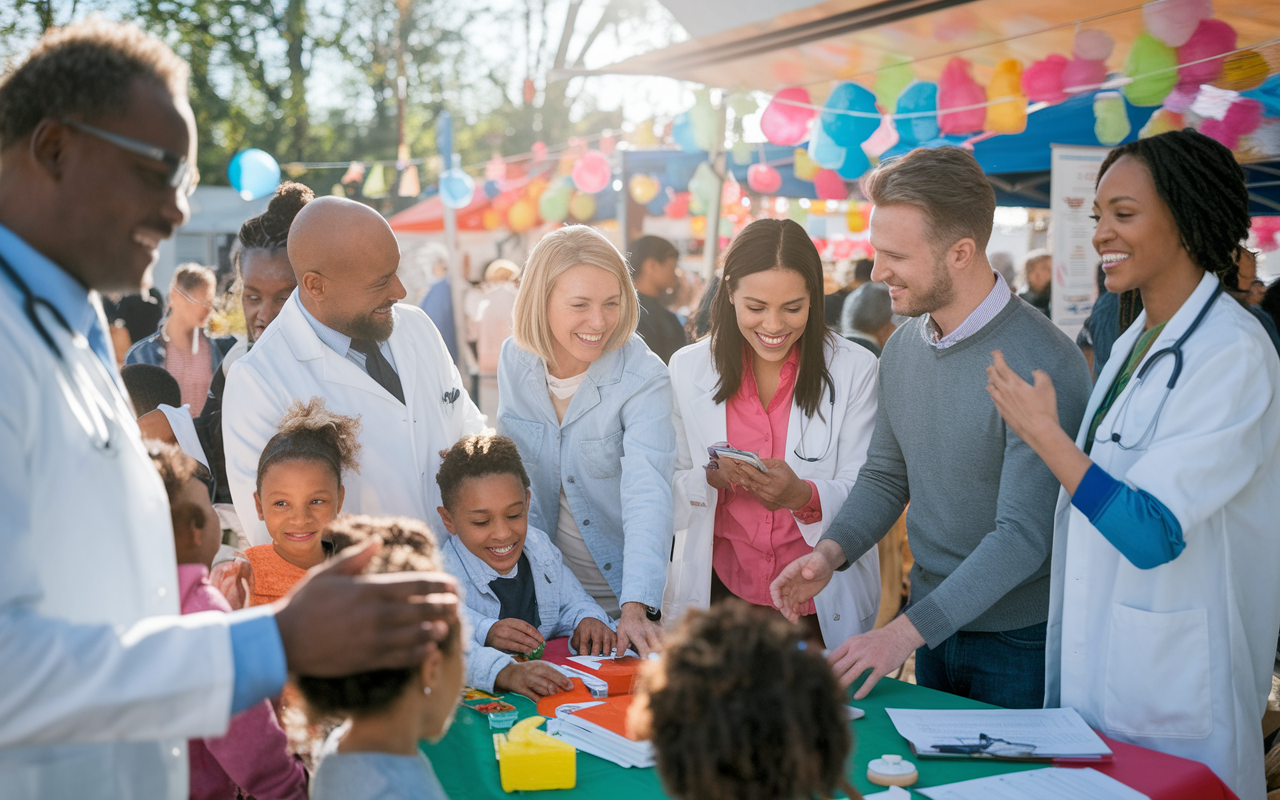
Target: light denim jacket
<point x="562" y="602"/>
<point x="615" y="453"/>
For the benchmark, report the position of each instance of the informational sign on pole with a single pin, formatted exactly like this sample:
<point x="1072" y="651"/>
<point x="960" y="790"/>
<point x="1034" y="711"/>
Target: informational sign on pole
<point x="1073" y="173"/>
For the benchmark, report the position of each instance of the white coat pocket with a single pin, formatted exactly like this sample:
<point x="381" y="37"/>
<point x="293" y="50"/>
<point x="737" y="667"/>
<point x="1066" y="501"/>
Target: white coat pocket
<point x="1157" y="679"/>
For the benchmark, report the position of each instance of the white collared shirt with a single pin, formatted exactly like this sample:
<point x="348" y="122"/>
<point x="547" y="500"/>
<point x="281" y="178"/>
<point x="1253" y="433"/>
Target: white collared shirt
<point x="980" y="316"/>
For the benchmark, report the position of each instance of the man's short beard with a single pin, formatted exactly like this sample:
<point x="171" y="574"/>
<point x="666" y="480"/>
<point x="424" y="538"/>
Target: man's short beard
<point x="940" y="291"/>
<point x="368" y="327"/>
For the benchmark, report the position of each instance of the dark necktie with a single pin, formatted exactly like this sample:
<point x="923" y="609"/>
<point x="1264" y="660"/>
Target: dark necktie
<point x="378" y="367"/>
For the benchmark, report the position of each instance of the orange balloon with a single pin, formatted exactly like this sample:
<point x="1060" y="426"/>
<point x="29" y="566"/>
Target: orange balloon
<point x="535" y="189"/>
<point x="490" y="219"/>
<point x="698" y="226"/>
<point x="522" y="216"/>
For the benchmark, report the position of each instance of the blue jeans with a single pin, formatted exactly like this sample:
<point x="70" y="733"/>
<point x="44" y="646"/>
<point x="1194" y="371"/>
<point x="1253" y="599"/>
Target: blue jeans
<point x="1004" y="668"/>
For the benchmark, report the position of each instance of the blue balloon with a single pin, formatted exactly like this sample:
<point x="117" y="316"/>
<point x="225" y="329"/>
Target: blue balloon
<point x="253" y="173"/>
<point x="825" y="152"/>
<point x="658" y="205"/>
<point x="606" y="204"/>
<point x="855" y="163"/>
<point x="844" y="129"/>
<point x="682" y="133"/>
<point x="492" y="189"/>
<point x="456" y="188"/>
<point x="917" y="97"/>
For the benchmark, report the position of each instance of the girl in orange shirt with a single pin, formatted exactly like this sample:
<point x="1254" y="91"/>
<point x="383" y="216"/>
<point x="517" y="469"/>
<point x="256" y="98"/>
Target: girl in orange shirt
<point x="299" y="492"/>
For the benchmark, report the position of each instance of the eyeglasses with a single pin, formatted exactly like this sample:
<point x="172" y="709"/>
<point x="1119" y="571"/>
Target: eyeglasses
<point x="191" y="299"/>
<point x="181" y="174"/>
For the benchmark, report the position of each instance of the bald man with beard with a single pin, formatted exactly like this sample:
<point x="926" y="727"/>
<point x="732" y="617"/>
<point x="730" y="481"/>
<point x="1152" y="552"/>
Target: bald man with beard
<point x="344" y="336"/>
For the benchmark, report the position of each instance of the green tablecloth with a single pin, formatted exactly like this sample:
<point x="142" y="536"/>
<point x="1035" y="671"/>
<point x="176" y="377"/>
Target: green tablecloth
<point x="466" y="766"/>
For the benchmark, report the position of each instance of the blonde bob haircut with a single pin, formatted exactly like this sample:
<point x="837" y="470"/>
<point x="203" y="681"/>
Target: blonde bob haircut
<point x="558" y="252"/>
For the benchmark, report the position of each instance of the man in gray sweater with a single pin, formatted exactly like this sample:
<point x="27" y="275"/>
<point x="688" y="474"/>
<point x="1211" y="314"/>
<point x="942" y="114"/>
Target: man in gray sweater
<point x="980" y="521"/>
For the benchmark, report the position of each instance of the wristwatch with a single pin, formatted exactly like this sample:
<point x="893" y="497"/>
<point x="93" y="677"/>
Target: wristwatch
<point x="654" y="614"/>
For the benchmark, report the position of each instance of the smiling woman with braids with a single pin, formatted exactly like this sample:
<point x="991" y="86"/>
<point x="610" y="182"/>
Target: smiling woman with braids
<point x="1164" y="603"/>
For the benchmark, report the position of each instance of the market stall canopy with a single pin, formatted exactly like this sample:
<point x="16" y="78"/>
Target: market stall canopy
<point x="850" y="40"/>
<point x="428" y="216"/>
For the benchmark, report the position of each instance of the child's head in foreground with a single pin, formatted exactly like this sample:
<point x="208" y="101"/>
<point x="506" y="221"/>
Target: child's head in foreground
<point x="421" y="698"/>
<point x="299" y="488"/>
<point x="739" y="708"/>
<point x="485" y="491"/>
<point x="197" y="532"/>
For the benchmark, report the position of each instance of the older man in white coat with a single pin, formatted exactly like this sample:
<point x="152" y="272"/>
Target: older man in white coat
<point x="343" y="337"/>
<point x="101" y="681"/>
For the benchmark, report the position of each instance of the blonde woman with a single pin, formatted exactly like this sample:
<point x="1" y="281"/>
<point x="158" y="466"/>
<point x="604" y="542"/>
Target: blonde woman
<point x="589" y="407"/>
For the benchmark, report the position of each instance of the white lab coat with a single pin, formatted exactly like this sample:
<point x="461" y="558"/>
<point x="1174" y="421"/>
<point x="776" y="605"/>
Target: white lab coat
<point x="849" y="604"/>
<point x="101" y="682"/>
<point x="400" y="443"/>
<point x="1178" y="658"/>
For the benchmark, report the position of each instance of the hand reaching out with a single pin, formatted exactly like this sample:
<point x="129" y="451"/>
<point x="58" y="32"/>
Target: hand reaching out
<point x="593" y="638"/>
<point x="802" y="579"/>
<point x="533" y="679"/>
<point x="514" y="636"/>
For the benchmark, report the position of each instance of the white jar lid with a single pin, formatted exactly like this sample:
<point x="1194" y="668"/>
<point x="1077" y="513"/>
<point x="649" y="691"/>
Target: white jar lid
<point x="891" y="765"/>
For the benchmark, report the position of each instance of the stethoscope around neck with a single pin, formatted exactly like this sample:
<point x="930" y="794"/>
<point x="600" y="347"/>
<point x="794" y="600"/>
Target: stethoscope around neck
<point x="808" y="421"/>
<point x="1174" y="350"/>
<point x="95" y="424"/>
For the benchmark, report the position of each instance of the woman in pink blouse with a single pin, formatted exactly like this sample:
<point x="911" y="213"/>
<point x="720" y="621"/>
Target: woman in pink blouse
<point x="773" y="380"/>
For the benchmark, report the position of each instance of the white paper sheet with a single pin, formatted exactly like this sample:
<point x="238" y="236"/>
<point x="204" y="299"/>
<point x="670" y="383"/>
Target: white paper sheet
<point x="593" y="662"/>
<point x="1054" y="783"/>
<point x="1055" y="732"/>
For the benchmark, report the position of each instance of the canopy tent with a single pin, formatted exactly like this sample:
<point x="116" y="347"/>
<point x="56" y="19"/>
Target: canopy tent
<point x="428" y="216"/>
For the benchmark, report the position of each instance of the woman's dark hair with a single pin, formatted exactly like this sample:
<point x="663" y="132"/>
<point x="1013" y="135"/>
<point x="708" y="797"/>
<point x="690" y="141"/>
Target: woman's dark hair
<point x="407" y="546"/>
<point x="764" y="245"/>
<point x="312" y="433"/>
<point x="270" y="229"/>
<point x="742" y="709"/>
<point x="1203" y="186"/>
<point x="476" y="456"/>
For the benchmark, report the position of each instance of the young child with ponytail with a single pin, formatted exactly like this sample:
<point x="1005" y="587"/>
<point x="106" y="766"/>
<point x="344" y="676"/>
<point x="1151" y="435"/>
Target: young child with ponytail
<point x="299" y="491"/>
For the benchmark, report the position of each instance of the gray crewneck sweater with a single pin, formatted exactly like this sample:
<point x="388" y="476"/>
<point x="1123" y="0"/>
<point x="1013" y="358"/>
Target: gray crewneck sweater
<point x="980" y="523"/>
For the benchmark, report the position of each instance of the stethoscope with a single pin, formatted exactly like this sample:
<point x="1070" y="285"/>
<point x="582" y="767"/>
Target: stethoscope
<point x="92" y="415"/>
<point x="1174" y="350"/>
<point x="804" y="428"/>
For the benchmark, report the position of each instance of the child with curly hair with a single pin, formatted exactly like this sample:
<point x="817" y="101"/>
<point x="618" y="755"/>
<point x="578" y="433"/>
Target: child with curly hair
<point x="374" y="754"/>
<point x="299" y="492"/>
<point x="740" y="708"/>
<point x="519" y="592"/>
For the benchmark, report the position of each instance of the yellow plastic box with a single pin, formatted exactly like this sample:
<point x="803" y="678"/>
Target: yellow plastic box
<point x="530" y="760"/>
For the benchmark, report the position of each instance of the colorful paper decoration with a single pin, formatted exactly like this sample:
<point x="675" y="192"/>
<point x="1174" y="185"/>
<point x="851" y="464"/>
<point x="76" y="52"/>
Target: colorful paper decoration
<point x="553" y="204"/>
<point x="1212" y="37"/>
<point x="409" y="185"/>
<point x="786" y="124"/>
<point x="741" y="152"/>
<point x="829" y="185"/>
<point x="1083" y="76"/>
<point x="491" y="189"/>
<point x="857" y="217"/>
<point x="803" y="166"/>
<point x="1242" y="118"/>
<point x="354" y="174"/>
<point x="456" y="187"/>
<point x="539" y="151"/>
<point x="919" y="97"/>
<point x="1243" y="71"/>
<point x="1009" y="116"/>
<point x="522" y="215"/>
<point x="1160" y="122"/>
<point x="1042" y="81"/>
<point x="375" y="185"/>
<point x="731" y="192"/>
<point x="643" y="188"/>
<point x="704" y="186"/>
<point x="608" y="143"/>
<point x="704" y="120"/>
<point x="592" y="172"/>
<point x="679" y="205"/>
<point x="851" y="129"/>
<point x="855" y="164"/>
<point x="957" y="89"/>
<point x="254" y="173"/>
<point x="1091" y="44"/>
<point x="1174" y="21"/>
<point x="643" y="136"/>
<point x="823" y="150"/>
<point x="894" y="75"/>
<point x="582" y="206"/>
<point x="1151" y="63"/>
<point x="763" y="178"/>
<point x="1111" y="121"/>
<point x="490" y="219"/>
<point x="742" y="104"/>
<point x="797" y="213"/>
<point x="886" y="136"/>
<point x="682" y="133"/>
